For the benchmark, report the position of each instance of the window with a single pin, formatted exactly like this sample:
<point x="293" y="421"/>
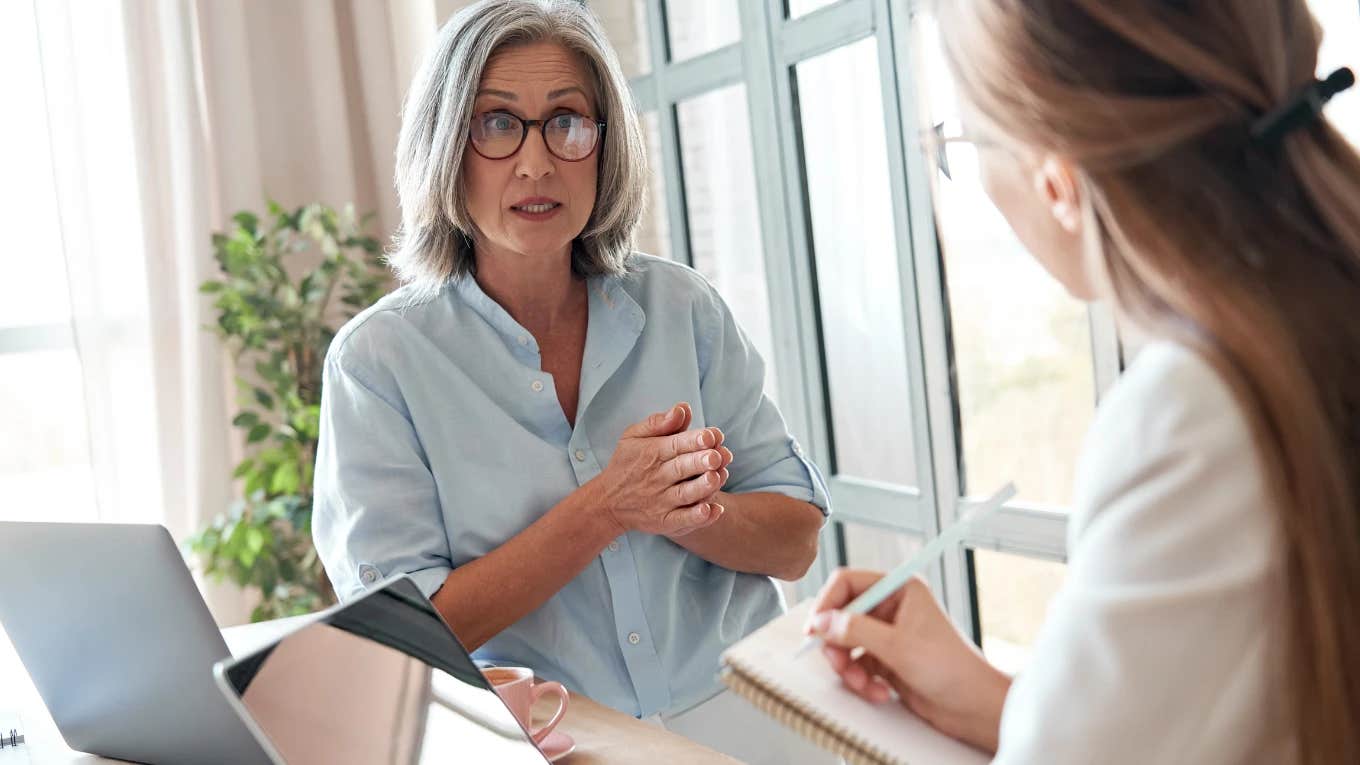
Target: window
<point x="875" y="547"/>
<point x="720" y="197"/>
<point x="803" y="7"/>
<point x="1025" y="371"/>
<point x="626" y="25"/>
<point x="1340" y="22"/>
<point x="845" y="153"/>
<point x="1013" y="592"/>
<point x="1026" y="383"/>
<point x="653" y="235"/>
<point x="923" y="357"/>
<point x="45" y="471"/>
<point x="699" y="26"/>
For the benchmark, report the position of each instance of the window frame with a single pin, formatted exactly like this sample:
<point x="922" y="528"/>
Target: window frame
<point x="765" y="61"/>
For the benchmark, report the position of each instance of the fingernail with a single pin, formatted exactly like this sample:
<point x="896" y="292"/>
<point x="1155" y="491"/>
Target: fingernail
<point x="711" y="460"/>
<point x="705" y="439"/>
<point x="820" y="622"/>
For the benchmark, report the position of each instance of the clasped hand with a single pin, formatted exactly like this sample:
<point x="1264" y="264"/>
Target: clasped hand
<point x="663" y="477"/>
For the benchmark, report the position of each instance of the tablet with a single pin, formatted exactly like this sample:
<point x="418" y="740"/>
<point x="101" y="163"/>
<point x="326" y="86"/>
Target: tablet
<point x="380" y="679"/>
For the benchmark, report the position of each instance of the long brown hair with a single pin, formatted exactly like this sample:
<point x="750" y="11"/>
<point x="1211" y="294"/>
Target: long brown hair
<point x="1247" y="250"/>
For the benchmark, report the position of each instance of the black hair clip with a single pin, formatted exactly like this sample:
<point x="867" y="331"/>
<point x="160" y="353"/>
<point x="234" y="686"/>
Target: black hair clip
<point x="1301" y="108"/>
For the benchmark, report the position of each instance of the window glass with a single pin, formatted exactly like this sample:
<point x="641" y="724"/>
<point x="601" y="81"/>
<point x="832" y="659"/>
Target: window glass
<point x="724" y="219"/>
<point x="845" y="158"/>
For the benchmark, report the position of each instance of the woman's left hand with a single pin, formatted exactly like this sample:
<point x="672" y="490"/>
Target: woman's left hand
<point x="686" y="420"/>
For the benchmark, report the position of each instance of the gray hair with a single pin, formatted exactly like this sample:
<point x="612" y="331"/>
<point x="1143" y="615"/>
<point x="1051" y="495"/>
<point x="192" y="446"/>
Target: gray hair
<point x="435" y="242"/>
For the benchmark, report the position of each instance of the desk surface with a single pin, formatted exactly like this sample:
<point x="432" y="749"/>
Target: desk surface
<point x="603" y="735"/>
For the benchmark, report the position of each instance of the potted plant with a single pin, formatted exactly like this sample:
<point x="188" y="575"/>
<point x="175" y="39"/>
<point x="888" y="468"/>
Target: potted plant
<point x="278" y="330"/>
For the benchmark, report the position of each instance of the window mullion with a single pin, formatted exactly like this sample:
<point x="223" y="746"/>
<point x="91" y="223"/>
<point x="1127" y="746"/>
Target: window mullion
<point x="789" y="268"/>
<point x="951" y="575"/>
<point x="671" y="167"/>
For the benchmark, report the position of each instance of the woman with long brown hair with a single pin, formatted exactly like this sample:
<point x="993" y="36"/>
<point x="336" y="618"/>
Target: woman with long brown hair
<point x="1173" y="159"/>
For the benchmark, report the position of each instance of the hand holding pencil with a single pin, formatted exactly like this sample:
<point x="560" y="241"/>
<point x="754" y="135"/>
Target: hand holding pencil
<point x="903" y="646"/>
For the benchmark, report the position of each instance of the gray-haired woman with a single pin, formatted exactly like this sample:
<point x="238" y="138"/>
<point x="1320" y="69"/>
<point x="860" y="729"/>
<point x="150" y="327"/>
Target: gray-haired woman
<point x="505" y="428"/>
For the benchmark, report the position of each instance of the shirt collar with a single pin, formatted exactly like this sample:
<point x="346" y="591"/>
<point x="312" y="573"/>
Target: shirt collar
<point x="612" y="310"/>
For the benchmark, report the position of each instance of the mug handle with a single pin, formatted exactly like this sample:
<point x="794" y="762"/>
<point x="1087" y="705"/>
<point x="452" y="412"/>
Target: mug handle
<point x="536" y="693"/>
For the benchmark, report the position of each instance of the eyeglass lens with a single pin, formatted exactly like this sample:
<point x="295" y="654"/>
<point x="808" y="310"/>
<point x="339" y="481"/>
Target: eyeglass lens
<point x="497" y="135"/>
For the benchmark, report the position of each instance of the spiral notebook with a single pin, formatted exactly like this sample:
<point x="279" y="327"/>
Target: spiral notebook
<point x="807" y="696"/>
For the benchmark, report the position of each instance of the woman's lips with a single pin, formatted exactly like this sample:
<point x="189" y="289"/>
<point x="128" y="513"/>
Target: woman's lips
<point x="536" y="210"/>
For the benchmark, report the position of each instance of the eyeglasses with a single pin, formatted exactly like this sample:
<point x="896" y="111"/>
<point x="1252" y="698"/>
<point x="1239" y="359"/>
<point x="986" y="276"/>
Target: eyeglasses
<point x="569" y="136"/>
<point x="935" y="144"/>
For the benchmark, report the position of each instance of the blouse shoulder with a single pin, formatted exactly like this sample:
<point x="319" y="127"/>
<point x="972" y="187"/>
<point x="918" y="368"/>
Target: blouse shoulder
<point x="1171" y="427"/>
<point x="364" y="337"/>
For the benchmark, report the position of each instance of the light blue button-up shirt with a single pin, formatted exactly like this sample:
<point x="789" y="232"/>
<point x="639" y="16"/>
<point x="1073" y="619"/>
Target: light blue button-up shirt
<point x="442" y="438"/>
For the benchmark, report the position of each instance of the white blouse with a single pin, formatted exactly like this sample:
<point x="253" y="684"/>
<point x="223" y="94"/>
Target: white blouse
<point x="1163" y="644"/>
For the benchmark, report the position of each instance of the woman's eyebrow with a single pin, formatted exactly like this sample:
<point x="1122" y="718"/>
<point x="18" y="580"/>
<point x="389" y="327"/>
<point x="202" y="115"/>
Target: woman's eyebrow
<point x="556" y="94"/>
<point x="553" y="95"/>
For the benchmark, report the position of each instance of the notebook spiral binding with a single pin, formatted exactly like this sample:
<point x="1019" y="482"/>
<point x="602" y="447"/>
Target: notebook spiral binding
<point x="13" y="738"/>
<point x="768" y="698"/>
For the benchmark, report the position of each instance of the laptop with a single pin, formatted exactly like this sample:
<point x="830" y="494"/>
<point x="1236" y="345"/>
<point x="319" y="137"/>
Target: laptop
<point x="111" y="627"/>
<point x="380" y="679"/>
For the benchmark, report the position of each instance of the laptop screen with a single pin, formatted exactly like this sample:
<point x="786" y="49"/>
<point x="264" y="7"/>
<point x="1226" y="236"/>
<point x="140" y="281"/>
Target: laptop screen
<point x="381" y="680"/>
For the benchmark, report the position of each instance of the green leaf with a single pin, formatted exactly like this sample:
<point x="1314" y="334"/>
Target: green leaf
<point x="267" y="572"/>
<point x="254" y="482"/>
<point x="269" y="306"/>
<point x="285" y="479"/>
<point x="255" y="540"/>
<point x="232" y="535"/>
<point x="247" y="220"/>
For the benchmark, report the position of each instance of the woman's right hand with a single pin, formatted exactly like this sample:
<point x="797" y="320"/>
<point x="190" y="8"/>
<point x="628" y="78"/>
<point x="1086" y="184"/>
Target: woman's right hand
<point x="662" y="475"/>
<point x="908" y="648"/>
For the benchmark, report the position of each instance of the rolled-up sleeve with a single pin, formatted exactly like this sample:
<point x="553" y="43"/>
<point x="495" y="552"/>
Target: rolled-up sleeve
<point x="767" y="458"/>
<point x="376" y="512"/>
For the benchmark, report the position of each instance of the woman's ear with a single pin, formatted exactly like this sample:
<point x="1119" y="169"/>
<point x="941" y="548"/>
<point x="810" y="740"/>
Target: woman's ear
<point x="1056" y="183"/>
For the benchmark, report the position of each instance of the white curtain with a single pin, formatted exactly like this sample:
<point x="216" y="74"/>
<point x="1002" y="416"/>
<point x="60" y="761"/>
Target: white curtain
<point x="166" y="118"/>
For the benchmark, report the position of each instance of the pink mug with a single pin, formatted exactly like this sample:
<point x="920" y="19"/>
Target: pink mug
<point x="516" y="686"/>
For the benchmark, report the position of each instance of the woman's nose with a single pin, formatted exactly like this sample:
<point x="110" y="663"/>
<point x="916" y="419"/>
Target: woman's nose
<point x="533" y="161"/>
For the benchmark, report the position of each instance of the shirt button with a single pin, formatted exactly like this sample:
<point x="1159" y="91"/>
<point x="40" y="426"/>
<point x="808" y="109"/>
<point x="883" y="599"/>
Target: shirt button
<point x="537" y="385"/>
<point x="369" y="576"/>
<point x="634" y="638"/>
<point x="613" y="547"/>
<point x="797" y="449"/>
<point x="523" y="339"/>
<point x="580" y="455"/>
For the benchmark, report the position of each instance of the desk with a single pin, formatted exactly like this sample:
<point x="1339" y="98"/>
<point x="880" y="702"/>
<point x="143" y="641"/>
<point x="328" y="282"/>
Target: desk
<point x="603" y="736"/>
